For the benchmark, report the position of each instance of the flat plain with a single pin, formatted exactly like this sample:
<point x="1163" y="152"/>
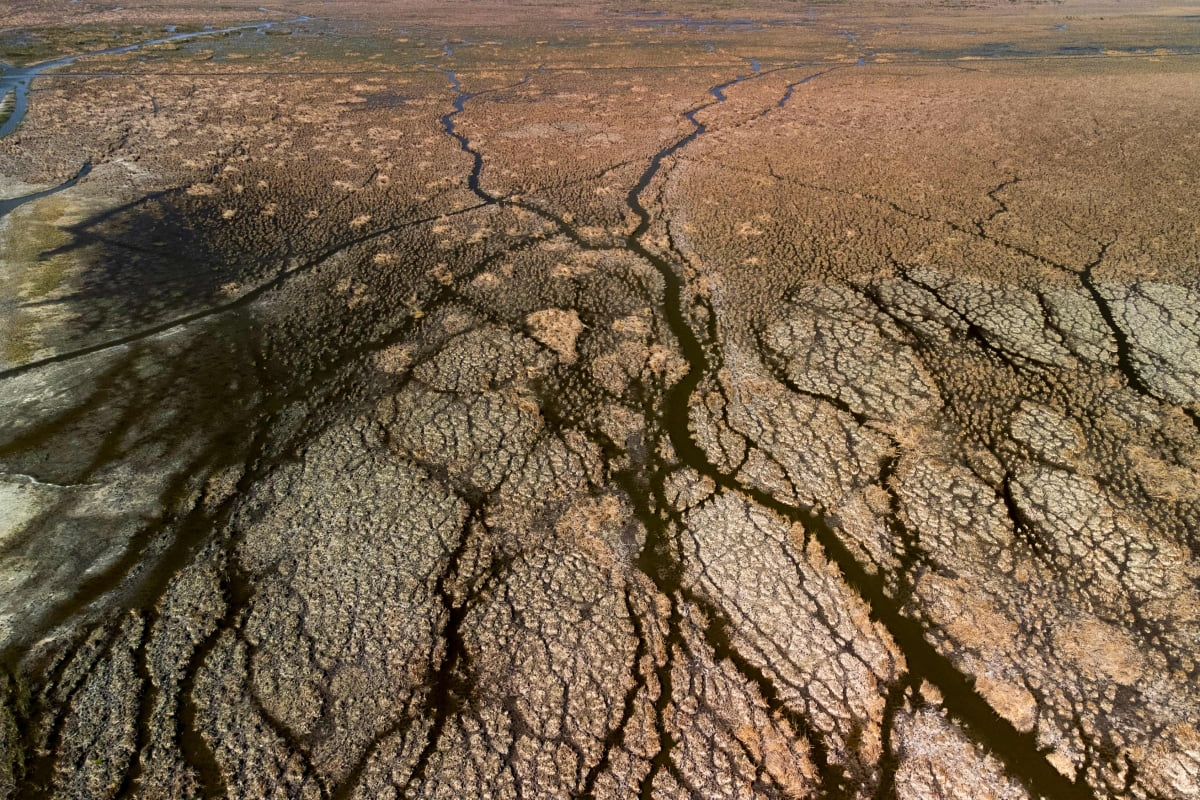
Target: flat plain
<point x="621" y="400"/>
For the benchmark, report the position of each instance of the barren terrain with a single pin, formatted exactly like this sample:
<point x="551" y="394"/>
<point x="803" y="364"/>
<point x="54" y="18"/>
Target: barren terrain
<point x="548" y="400"/>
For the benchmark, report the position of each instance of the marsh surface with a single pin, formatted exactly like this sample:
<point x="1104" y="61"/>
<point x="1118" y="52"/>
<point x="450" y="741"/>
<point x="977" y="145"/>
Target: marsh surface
<point x="565" y="401"/>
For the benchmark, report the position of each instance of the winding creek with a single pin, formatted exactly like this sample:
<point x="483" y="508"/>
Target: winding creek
<point x="1018" y="751"/>
<point x="18" y="79"/>
<point x="15" y="83"/>
<point x="646" y="488"/>
<point x="645" y="483"/>
<point x="13" y="203"/>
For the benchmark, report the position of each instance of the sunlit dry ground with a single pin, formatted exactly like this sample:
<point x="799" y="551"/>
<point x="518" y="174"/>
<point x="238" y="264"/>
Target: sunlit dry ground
<point x="591" y="401"/>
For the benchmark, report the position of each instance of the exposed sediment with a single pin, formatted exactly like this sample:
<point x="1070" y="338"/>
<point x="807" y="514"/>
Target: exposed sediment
<point x="679" y="463"/>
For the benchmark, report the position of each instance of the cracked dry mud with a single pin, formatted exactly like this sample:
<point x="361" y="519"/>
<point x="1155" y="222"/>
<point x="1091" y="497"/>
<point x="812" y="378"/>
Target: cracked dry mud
<point x="573" y="402"/>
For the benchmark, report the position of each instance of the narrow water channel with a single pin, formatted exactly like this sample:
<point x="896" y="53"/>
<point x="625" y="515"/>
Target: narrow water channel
<point x="17" y="80"/>
<point x="13" y="203"/>
<point x="1018" y="751"/>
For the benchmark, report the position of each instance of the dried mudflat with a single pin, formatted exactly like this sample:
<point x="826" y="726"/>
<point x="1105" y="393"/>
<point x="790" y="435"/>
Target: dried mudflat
<point x="558" y="401"/>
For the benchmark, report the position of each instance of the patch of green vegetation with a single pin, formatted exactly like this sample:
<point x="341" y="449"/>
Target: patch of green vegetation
<point x="25" y="46"/>
<point x="27" y="237"/>
<point x="47" y="276"/>
<point x="17" y="340"/>
<point x="50" y="209"/>
<point x="28" y="243"/>
<point x="14" y="705"/>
